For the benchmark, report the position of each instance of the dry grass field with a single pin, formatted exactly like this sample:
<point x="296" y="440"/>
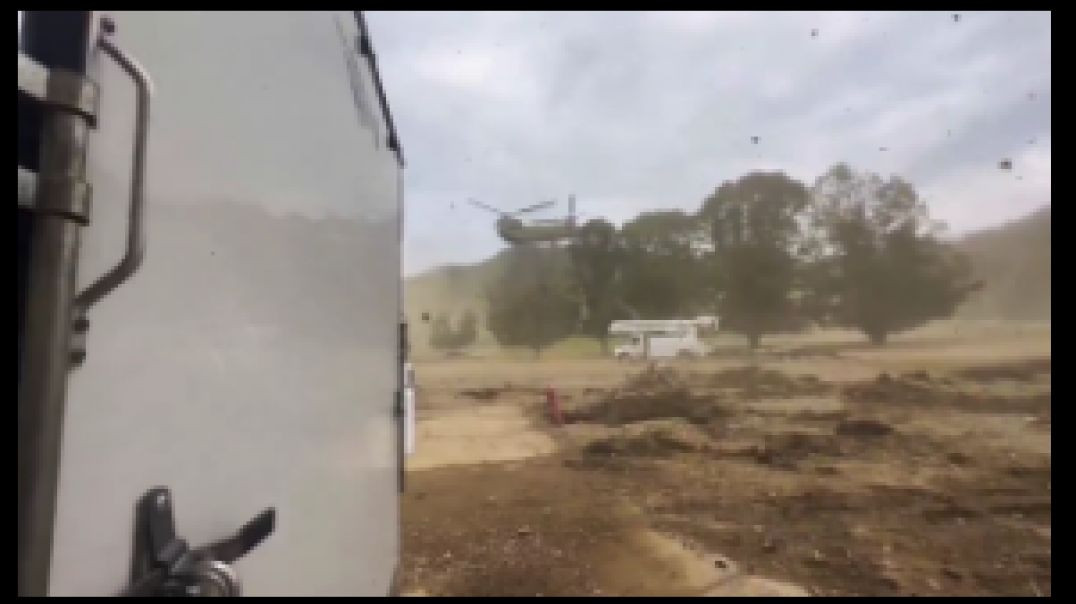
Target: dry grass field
<point x="817" y="466"/>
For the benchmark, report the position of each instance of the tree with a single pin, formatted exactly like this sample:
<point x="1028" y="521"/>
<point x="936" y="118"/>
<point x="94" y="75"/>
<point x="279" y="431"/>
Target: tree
<point x="755" y="226"/>
<point x="531" y="304"/>
<point x="443" y="337"/>
<point x="661" y="274"/>
<point x="596" y="256"/>
<point x="468" y="329"/>
<point x="440" y="332"/>
<point x="880" y="266"/>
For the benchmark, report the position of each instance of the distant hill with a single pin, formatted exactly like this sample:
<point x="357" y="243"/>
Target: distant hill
<point x="454" y="288"/>
<point x="1014" y="261"/>
<point x="449" y="289"/>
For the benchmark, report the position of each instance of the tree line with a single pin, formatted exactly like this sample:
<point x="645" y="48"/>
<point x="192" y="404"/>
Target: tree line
<point x="766" y="253"/>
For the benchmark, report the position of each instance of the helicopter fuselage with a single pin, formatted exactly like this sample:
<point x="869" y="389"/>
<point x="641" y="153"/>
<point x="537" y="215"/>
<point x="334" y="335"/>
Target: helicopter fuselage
<point x="514" y="230"/>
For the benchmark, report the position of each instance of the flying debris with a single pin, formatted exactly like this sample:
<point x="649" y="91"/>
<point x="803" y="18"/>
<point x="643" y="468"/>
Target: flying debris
<point x="948" y="133"/>
<point x="956" y="17"/>
<point x="883" y="148"/>
<point x="1018" y="177"/>
<point x="1005" y="164"/>
<point x="1031" y="141"/>
<point x="1031" y="96"/>
<point x="814" y="33"/>
<point x="754" y="140"/>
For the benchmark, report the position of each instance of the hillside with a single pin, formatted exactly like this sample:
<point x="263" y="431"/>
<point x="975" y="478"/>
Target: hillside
<point x="452" y="289"/>
<point x="447" y="289"/>
<point x="1014" y="261"/>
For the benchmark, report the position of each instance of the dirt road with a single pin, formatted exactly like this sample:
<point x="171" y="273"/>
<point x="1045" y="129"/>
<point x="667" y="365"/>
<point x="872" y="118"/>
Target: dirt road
<point x="921" y="470"/>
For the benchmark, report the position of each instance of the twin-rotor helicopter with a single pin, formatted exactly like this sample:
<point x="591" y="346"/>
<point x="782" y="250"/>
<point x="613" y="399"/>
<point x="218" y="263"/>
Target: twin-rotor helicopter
<point x="515" y="231"/>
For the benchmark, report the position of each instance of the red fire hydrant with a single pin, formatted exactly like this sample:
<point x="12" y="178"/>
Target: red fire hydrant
<point x="553" y="402"/>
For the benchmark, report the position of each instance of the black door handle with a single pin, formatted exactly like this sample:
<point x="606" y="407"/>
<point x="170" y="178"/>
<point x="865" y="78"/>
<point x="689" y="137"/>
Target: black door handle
<point x="164" y="564"/>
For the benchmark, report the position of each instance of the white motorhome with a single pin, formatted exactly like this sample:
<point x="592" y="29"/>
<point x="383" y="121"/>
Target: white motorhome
<point x="229" y="406"/>
<point x="662" y="338"/>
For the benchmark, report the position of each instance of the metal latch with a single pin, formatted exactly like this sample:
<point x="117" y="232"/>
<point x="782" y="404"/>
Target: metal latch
<point x="66" y="92"/>
<point x="164" y="565"/>
<point x="59" y="195"/>
<point x="59" y="88"/>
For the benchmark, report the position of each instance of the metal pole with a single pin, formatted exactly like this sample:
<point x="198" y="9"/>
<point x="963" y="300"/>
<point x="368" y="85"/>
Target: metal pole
<point x="43" y="381"/>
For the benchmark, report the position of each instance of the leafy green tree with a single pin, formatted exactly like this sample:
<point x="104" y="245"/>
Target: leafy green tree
<point x="443" y="337"/>
<point x="597" y="257"/>
<point x="467" y="332"/>
<point x="755" y="226"/>
<point x="440" y="332"/>
<point x="531" y="303"/>
<point x="663" y="258"/>
<point x="879" y="265"/>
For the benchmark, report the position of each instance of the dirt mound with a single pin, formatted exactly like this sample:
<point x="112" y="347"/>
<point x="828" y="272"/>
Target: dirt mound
<point x="655" y="393"/>
<point x="492" y="392"/>
<point x="1022" y="372"/>
<point x="863" y="427"/>
<point x="654" y="377"/>
<point x="887" y="389"/>
<point x="785" y="450"/>
<point x="819" y="416"/>
<point x="655" y="443"/>
<point x="755" y="382"/>
<point x="625" y="407"/>
<point x="482" y="394"/>
<point x="917" y="376"/>
<point x="905" y="390"/>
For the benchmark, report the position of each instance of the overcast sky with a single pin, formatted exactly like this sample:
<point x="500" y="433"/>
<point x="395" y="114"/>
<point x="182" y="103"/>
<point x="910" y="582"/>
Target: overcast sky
<point x="638" y="111"/>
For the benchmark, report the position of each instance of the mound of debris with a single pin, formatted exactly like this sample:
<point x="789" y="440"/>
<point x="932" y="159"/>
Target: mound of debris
<point x="491" y="392"/>
<point x="905" y="389"/>
<point x="482" y="394"/>
<point x="755" y="382"/>
<point x="785" y="450"/>
<point x="652" y="438"/>
<point x="1022" y="372"/>
<point x="913" y="389"/>
<point x="652" y="394"/>
<point x="863" y="427"/>
<point x="655" y="378"/>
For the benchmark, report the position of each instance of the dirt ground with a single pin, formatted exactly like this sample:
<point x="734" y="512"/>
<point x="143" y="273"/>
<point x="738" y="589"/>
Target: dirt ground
<point x="923" y="468"/>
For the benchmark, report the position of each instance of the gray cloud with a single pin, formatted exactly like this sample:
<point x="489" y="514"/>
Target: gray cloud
<point x="633" y="111"/>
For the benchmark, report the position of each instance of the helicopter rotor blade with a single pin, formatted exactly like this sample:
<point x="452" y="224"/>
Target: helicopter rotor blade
<point x="490" y="208"/>
<point x="537" y="206"/>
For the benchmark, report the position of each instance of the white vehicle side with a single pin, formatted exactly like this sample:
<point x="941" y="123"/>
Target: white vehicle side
<point x="254" y="361"/>
<point x="661" y="338"/>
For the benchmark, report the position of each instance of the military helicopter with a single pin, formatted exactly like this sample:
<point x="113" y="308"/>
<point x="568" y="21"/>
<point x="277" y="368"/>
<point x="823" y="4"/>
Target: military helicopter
<point x="514" y="231"/>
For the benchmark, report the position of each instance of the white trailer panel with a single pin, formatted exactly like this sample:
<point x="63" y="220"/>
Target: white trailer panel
<point x="253" y="359"/>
